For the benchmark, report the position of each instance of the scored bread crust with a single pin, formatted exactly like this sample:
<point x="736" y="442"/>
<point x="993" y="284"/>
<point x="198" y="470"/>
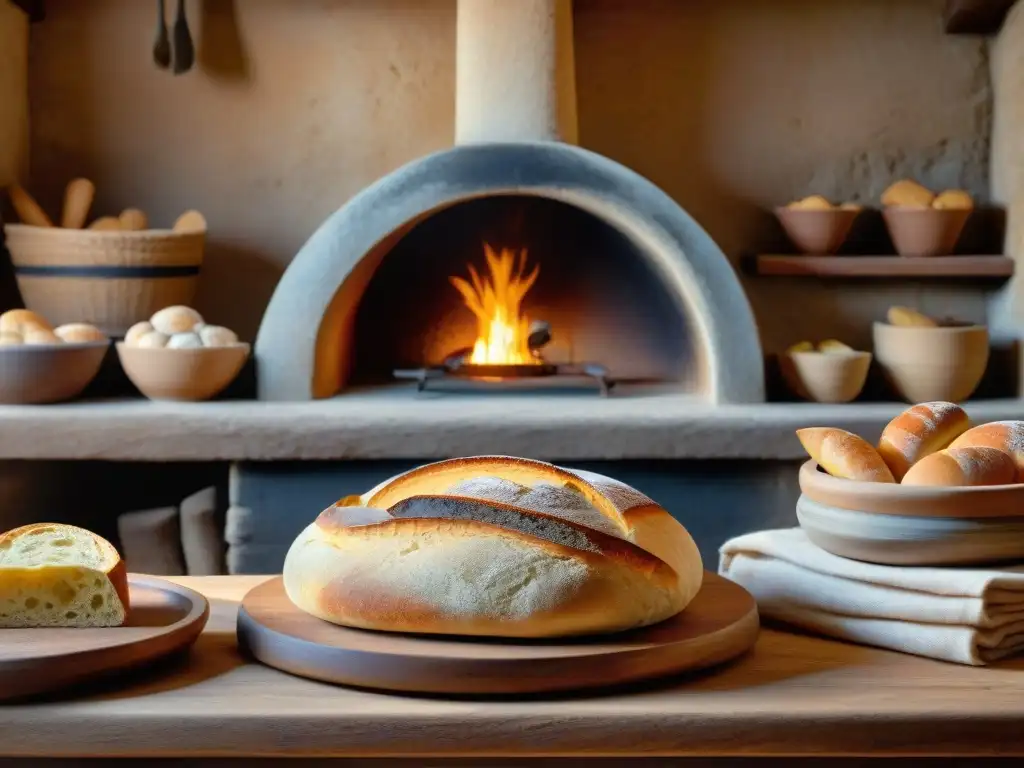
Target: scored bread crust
<point x="918" y="432"/>
<point x="15" y="574"/>
<point x="445" y="563"/>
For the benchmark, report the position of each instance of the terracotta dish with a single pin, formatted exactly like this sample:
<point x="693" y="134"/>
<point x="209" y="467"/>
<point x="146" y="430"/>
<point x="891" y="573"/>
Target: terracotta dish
<point x="818" y="232"/>
<point x="825" y="377"/>
<point x="182" y="374"/>
<point x="925" y="231"/>
<point x="48" y="373"/>
<point x="929" y="364"/>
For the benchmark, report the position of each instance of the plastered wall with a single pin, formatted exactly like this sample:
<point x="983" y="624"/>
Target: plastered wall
<point x="731" y="106"/>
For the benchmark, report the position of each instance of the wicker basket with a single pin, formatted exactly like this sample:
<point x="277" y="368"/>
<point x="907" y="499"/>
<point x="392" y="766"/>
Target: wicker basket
<point x="109" y="279"/>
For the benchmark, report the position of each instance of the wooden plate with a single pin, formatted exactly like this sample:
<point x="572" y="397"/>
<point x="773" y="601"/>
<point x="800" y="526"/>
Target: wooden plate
<point x="965" y="503"/>
<point x="718" y="625"/>
<point x="164" y="618"/>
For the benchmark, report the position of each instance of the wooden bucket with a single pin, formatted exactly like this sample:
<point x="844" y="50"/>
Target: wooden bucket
<point x="110" y="279"/>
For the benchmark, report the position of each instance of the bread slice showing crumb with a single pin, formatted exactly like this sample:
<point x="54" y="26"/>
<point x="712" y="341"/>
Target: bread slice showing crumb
<point x="54" y="575"/>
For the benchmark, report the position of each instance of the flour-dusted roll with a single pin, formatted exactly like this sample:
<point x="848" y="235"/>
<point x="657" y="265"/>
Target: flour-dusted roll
<point x="844" y="454"/>
<point x="54" y="575"/>
<point x="1005" y="435"/>
<point x="494" y="546"/>
<point x="976" y="465"/>
<point x="918" y="432"/>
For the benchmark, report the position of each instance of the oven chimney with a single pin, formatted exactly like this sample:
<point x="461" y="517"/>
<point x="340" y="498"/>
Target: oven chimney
<point x="515" y="72"/>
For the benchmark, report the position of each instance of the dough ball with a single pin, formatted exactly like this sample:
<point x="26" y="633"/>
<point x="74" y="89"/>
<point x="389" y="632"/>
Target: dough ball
<point x="10" y="339"/>
<point x="153" y="340"/>
<point x="217" y="336"/>
<point x="172" y="320"/>
<point x="20" y="320"/>
<point x="41" y="336"/>
<point x="136" y="332"/>
<point x="80" y="333"/>
<point x="187" y="340"/>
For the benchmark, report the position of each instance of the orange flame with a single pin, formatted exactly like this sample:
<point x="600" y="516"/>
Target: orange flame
<point x="502" y="328"/>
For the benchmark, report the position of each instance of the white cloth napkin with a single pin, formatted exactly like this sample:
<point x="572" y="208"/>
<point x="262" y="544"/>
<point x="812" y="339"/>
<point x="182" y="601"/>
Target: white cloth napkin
<point x="967" y="616"/>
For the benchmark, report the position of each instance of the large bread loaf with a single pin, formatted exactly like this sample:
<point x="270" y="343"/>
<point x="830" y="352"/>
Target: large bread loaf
<point x="494" y="546"/>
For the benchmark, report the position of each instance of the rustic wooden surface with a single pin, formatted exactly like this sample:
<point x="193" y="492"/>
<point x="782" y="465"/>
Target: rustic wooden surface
<point x="720" y="624"/>
<point x="792" y="695"/>
<point x="164" y="618"/>
<point x="987" y="267"/>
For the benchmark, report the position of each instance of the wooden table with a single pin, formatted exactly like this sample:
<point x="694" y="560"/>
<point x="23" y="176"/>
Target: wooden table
<point x="792" y="695"/>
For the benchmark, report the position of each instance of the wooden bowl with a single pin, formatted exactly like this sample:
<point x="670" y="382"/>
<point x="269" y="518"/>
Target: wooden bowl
<point x="817" y="232"/>
<point x="894" y="524"/>
<point x="928" y="364"/>
<point x="825" y="377"/>
<point x="182" y="374"/>
<point x="925" y="231"/>
<point x="110" y="279"/>
<point x="33" y="374"/>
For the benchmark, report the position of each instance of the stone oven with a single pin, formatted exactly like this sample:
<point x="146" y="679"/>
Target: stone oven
<point x="624" y="277"/>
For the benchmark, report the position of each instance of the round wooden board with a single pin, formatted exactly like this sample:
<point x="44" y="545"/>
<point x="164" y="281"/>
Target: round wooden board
<point x="164" y="618"/>
<point x="720" y="624"/>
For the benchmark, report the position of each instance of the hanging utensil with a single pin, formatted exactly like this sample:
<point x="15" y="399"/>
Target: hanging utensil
<point x="162" y="45"/>
<point x="184" y="52"/>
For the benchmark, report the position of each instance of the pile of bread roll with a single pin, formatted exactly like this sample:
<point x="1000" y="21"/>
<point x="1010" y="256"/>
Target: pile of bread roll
<point x="498" y="546"/>
<point x="928" y="444"/>
<point x="820" y="203"/>
<point x="178" y="327"/>
<point x="909" y="194"/>
<point x="78" y="199"/>
<point x="22" y="326"/>
<point x="826" y="347"/>
<point x="55" y="575"/>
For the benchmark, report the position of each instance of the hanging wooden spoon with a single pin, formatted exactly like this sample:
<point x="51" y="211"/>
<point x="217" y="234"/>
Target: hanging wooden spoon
<point x="162" y="45"/>
<point x="184" y="52"/>
<point x="28" y="210"/>
<point x="78" y="197"/>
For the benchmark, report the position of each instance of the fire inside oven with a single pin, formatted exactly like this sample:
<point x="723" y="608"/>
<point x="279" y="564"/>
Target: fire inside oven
<point x="508" y="344"/>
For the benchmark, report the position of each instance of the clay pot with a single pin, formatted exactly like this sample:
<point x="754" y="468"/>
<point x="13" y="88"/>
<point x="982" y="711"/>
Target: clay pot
<point x="48" y="373"/>
<point x="182" y="374"/>
<point x="925" y="231"/>
<point x="927" y="364"/>
<point x="825" y="377"/>
<point x="817" y="232"/>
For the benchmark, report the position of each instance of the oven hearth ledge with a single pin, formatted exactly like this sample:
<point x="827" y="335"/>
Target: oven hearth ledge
<point x="392" y="424"/>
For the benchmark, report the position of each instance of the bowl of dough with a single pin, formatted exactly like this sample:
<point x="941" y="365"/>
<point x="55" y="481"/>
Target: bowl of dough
<point x="922" y="223"/>
<point x="40" y="363"/>
<point x="815" y="225"/>
<point x="176" y="355"/>
<point x="494" y="546"/>
<point x="827" y="372"/>
<point x="934" y="490"/>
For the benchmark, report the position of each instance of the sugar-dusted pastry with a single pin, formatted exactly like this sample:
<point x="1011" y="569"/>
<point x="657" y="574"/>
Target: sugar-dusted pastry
<point x="152" y="340"/>
<point x="907" y="194"/>
<point x="907" y="317"/>
<point x="178" y="319"/>
<point x="54" y="575"/>
<point x="844" y="454"/>
<point x="19" y="320"/>
<point x="35" y="336"/>
<point x="79" y="333"/>
<point x="812" y="203"/>
<point x="976" y="465"/>
<point x="953" y="199"/>
<point x="217" y="336"/>
<point x="1005" y="435"/>
<point x="187" y="340"/>
<point x="920" y="431"/>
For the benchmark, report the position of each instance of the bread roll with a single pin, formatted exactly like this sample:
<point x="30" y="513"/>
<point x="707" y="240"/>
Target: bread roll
<point x="953" y="199"/>
<point x="907" y="194"/>
<point x="1007" y="436"/>
<point x="20" y="320"/>
<point x="172" y="320"/>
<point x="153" y="340"/>
<point x="918" y="432"/>
<point x="964" y="466"/>
<point x="40" y="336"/>
<point x="909" y="318"/>
<point x="54" y="575"/>
<point x="844" y="454"/>
<point x="217" y="336"/>
<point x="834" y="347"/>
<point x="79" y="333"/>
<point x="9" y="339"/>
<point x="133" y="220"/>
<point x="184" y="341"/>
<point x="812" y="203"/>
<point x="136" y="332"/>
<point x="494" y="546"/>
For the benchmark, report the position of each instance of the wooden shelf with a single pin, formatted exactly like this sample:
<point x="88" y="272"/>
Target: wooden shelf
<point x="987" y="267"/>
<point x="975" y="17"/>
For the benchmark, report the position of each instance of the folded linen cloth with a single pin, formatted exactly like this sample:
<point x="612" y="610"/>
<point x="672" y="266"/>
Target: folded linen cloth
<point x="967" y="616"/>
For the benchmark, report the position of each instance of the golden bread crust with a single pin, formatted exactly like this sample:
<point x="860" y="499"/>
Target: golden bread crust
<point x="918" y="432"/>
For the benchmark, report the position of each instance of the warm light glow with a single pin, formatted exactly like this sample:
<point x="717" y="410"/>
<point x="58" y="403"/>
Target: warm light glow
<point x="503" y="329"/>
